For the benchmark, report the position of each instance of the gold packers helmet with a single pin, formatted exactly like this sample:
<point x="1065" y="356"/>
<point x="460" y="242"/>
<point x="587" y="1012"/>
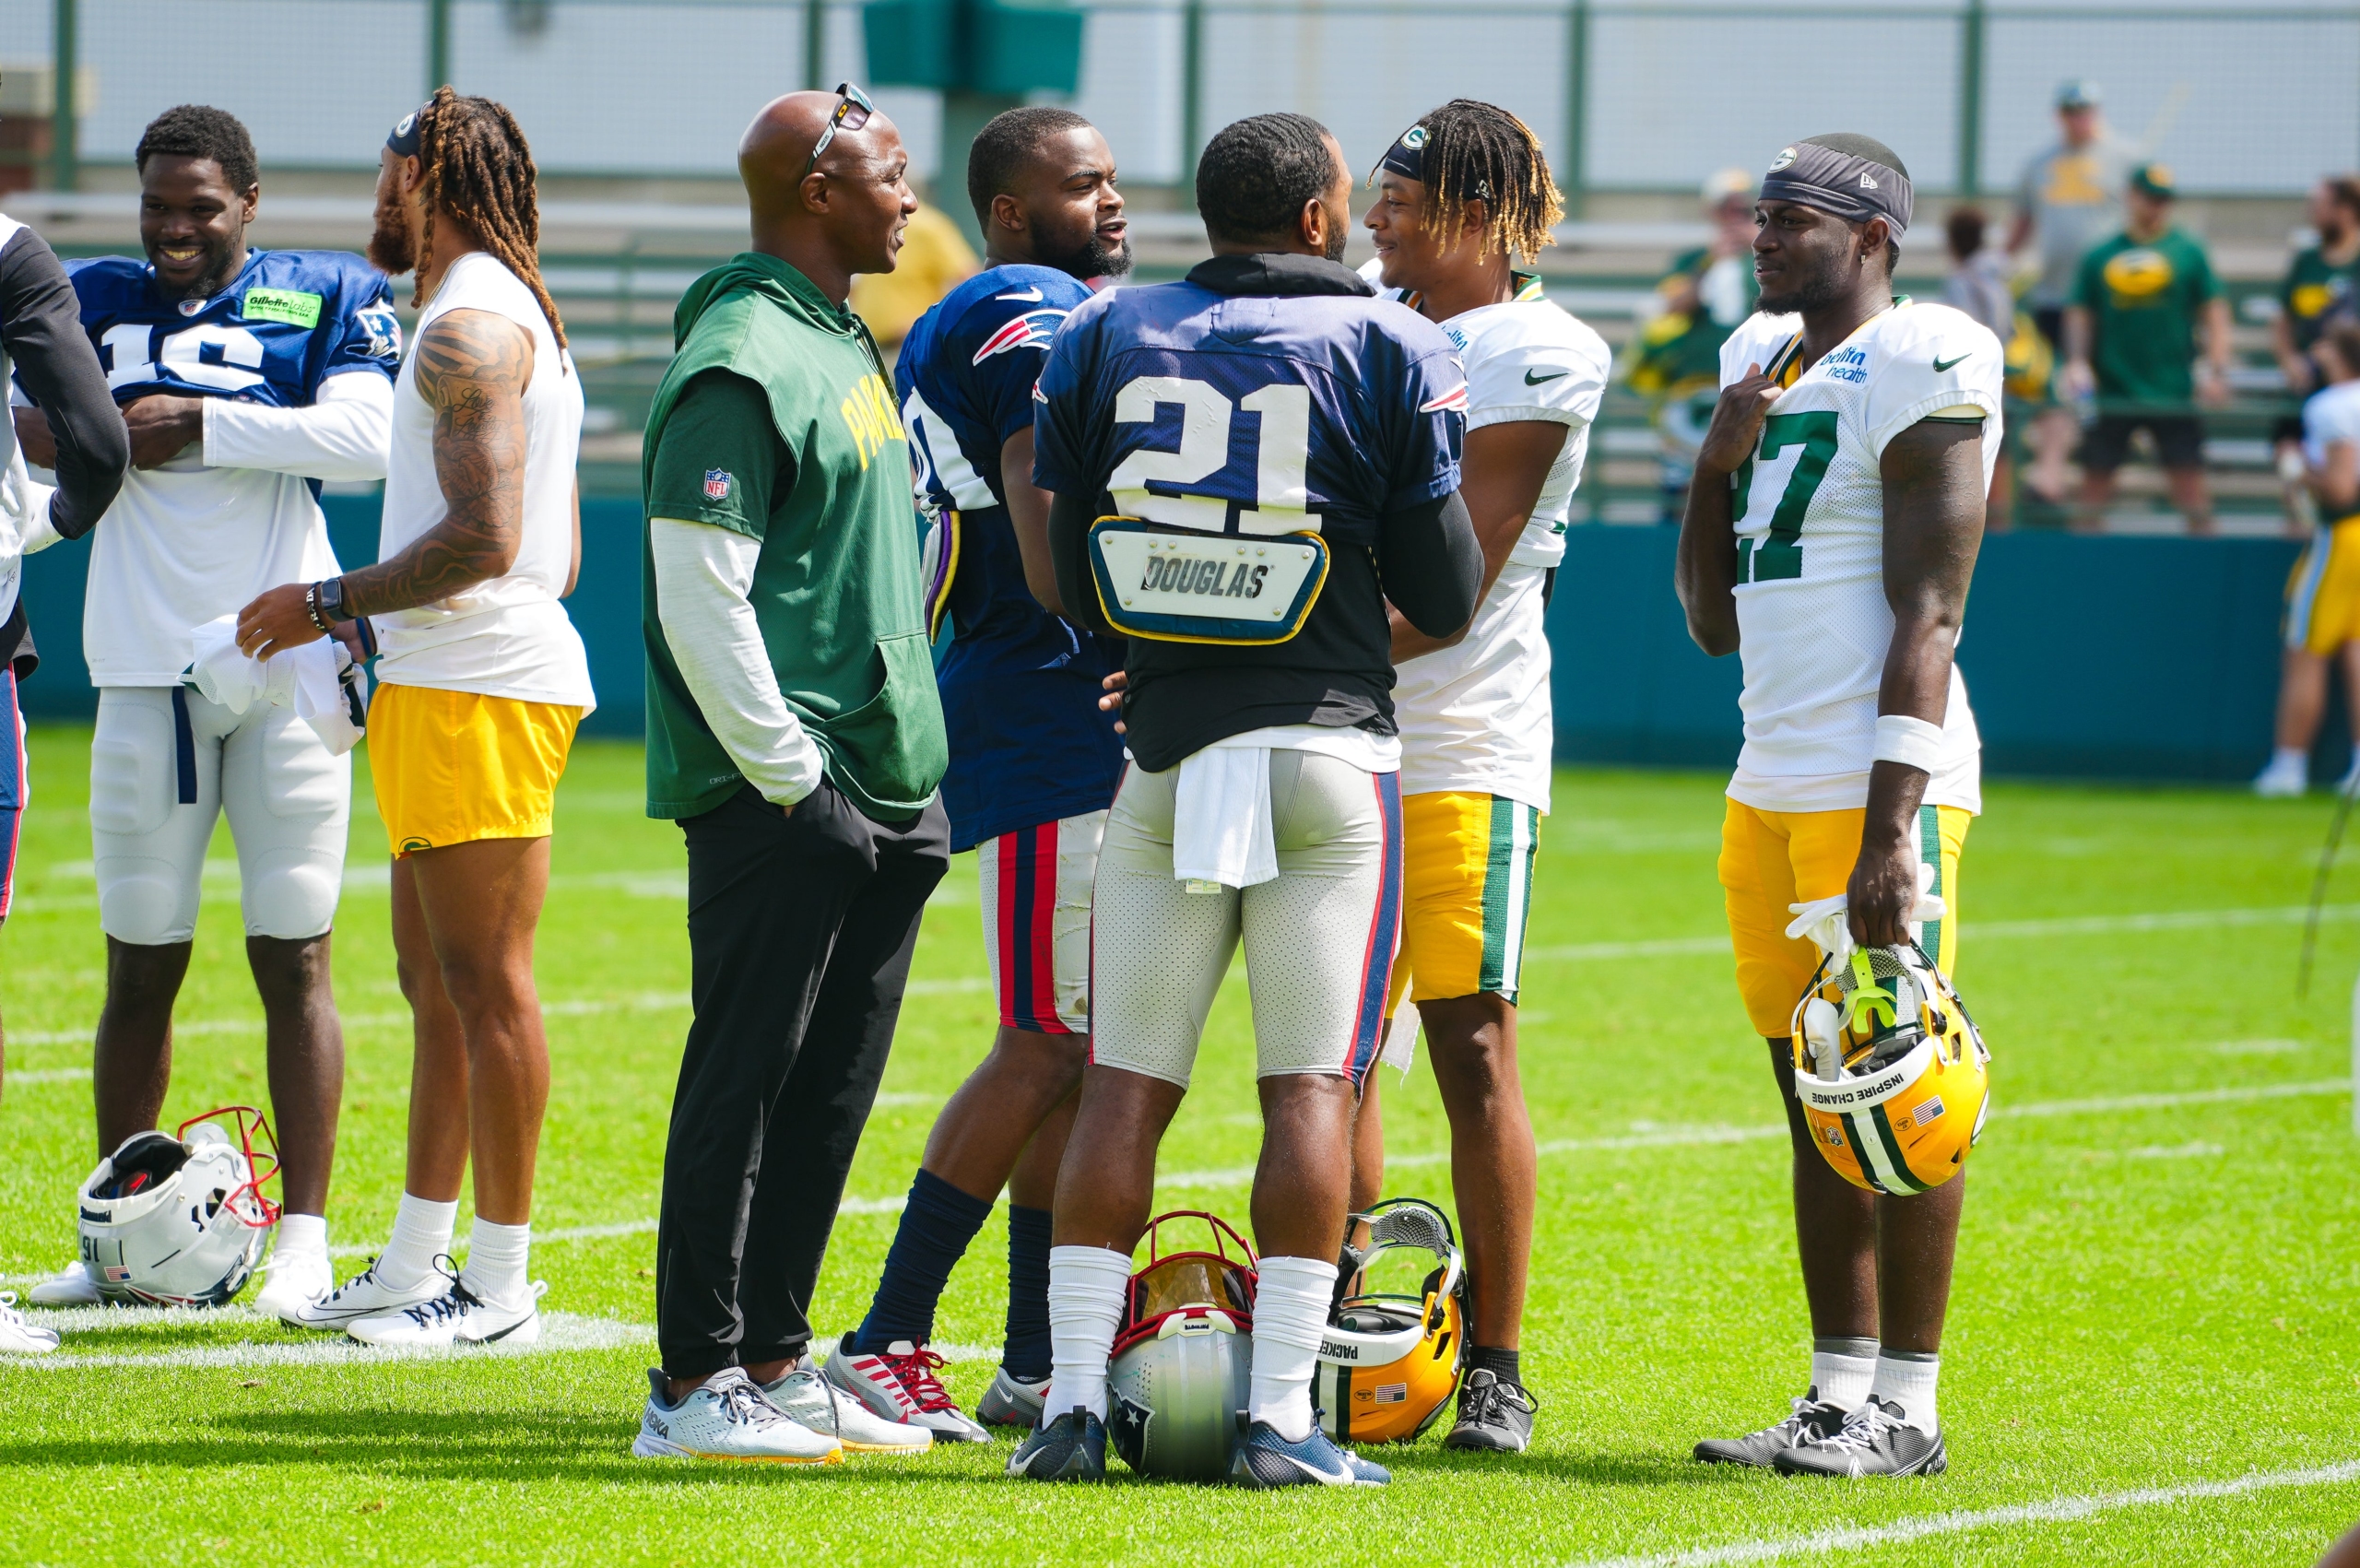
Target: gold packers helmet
<point x="1388" y="1363"/>
<point x="1891" y="1070"/>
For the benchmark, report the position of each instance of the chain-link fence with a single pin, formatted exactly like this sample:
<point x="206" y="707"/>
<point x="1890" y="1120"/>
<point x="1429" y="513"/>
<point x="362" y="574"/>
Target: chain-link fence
<point x="1629" y="94"/>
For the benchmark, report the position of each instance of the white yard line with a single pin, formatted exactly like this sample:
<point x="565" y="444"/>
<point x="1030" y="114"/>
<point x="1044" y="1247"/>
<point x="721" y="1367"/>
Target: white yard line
<point x="560" y="1331"/>
<point x="2058" y="1510"/>
<point x="1986" y="930"/>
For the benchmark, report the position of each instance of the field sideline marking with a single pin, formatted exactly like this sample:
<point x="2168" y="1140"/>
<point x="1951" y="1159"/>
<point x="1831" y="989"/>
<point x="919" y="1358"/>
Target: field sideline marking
<point x="2058" y="1510"/>
<point x="1992" y="930"/>
<point x="560" y="1332"/>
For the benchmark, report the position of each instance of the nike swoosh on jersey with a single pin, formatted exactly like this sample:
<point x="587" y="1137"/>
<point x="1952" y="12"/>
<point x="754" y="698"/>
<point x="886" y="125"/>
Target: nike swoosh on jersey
<point x="1032" y="293"/>
<point x="1533" y="378"/>
<point x="1942" y="364"/>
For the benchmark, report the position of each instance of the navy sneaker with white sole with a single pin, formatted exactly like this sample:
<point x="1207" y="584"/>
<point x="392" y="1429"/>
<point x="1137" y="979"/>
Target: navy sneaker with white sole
<point x="1072" y="1447"/>
<point x="1264" y="1459"/>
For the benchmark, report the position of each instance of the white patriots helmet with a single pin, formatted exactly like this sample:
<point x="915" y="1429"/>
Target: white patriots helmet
<point x="178" y="1218"/>
<point x="1184" y="1357"/>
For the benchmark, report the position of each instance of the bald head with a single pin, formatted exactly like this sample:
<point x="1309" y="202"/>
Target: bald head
<point x="840" y="216"/>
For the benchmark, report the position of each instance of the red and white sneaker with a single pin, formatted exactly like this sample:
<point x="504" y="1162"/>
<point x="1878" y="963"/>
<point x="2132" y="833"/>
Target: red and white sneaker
<point x="900" y="1385"/>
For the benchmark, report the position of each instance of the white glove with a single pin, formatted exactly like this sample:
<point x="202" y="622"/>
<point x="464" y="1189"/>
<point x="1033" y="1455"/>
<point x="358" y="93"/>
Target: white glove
<point x="1827" y="920"/>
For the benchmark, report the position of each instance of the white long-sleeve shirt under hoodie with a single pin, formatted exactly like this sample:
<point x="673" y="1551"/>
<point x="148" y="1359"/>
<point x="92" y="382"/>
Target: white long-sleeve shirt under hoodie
<point x="703" y="576"/>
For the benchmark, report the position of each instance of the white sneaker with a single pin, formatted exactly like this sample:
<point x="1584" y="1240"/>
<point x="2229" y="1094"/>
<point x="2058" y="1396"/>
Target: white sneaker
<point x="2277" y="781"/>
<point x="1011" y="1401"/>
<point x="69" y="1287"/>
<point x="17" y="1335"/>
<point x="806" y="1397"/>
<point x="363" y="1295"/>
<point x="726" y="1417"/>
<point x="297" y="1279"/>
<point x="899" y="1386"/>
<point x="457" y="1317"/>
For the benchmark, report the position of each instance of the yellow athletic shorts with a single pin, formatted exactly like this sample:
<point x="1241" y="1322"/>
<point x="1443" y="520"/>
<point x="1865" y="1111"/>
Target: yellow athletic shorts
<point x="1467" y="889"/>
<point x="2323" y="591"/>
<point x="1771" y="859"/>
<point x="452" y="767"/>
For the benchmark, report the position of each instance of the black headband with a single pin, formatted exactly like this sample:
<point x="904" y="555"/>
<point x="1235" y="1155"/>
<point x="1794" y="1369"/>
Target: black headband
<point x="1853" y="188"/>
<point x="1407" y="158"/>
<point x="405" y="135"/>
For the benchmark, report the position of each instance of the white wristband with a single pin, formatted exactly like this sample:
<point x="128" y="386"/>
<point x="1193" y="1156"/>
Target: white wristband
<point x="1913" y="743"/>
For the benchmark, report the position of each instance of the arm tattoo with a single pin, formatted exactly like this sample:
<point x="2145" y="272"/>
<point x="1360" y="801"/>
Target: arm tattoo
<point x="472" y="367"/>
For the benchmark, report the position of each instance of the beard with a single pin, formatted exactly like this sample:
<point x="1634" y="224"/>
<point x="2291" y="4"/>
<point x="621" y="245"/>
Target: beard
<point x="393" y="249"/>
<point x="216" y="274"/>
<point x="1094" y="258"/>
<point x="1338" y="234"/>
<point x="1814" y="293"/>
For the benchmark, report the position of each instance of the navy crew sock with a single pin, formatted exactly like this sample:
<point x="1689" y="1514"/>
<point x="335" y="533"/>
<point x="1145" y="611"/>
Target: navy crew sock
<point x="938" y="1222"/>
<point x="1026" y="1355"/>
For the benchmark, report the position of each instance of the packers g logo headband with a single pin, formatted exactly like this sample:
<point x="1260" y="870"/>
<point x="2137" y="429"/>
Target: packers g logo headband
<point x="1853" y="188"/>
<point x="406" y="135"/>
<point x="1407" y="158"/>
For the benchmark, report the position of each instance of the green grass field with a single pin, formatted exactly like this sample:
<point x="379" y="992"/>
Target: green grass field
<point x="2155" y="1292"/>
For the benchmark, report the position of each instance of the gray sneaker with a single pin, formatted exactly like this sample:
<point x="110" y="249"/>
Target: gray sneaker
<point x="1011" y="1401"/>
<point x="1813" y="1419"/>
<point x="1875" y="1440"/>
<point x="725" y="1418"/>
<point x="807" y="1399"/>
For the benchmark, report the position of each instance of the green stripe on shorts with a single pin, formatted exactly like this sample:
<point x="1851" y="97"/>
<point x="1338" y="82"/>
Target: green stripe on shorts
<point x="1507" y="893"/>
<point x="1929" y="845"/>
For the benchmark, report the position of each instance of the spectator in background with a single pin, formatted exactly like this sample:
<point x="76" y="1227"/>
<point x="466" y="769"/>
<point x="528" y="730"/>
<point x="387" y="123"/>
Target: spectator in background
<point x="2130" y="337"/>
<point x="935" y="258"/>
<point x="2069" y="198"/>
<point x="2323" y="593"/>
<point x="1978" y="286"/>
<point x="2319" y="287"/>
<point x="1706" y="295"/>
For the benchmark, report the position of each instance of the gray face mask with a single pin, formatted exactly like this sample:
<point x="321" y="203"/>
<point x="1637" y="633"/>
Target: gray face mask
<point x="1853" y="188"/>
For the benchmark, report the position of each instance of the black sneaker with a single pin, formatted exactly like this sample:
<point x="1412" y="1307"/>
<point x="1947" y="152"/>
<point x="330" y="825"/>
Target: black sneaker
<point x="1813" y="1419"/>
<point x="1494" y="1414"/>
<point x="1072" y="1447"/>
<point x="1875" y="1441"/>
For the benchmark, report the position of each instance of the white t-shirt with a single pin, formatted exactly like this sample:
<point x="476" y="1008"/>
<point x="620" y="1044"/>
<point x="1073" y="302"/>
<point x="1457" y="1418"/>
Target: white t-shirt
<point x="1476" y="717"/>
<point x="507" y="636"/>
<point x="230" y="516"/>
<point x="1813" y="625"/>
<point x="2331" y="415"/>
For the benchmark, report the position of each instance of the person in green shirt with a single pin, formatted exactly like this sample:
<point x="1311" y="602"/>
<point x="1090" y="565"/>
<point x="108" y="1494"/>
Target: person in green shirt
<point x="2319" y="288"/>
<point x="1676" y="361"/>
<point x="2130" y="340"/>
<point x="794" y="732"/>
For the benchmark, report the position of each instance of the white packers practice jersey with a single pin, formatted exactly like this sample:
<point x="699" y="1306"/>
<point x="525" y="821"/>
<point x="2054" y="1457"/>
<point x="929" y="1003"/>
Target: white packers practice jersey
<point x="2331" y="415"/>
<point x="1813" y="624"/>
<point x="1476" y="717"/>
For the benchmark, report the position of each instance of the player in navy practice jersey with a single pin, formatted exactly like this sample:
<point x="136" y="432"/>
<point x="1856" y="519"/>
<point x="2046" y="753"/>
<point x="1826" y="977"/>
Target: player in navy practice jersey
<point x="1033" y="761"/>
<point x="1247" y="466"/>
<point x="246" y="377"/>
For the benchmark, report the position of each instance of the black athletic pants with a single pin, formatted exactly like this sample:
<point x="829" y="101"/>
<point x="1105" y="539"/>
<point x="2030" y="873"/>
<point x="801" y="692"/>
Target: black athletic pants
<point x="801" y="931"/>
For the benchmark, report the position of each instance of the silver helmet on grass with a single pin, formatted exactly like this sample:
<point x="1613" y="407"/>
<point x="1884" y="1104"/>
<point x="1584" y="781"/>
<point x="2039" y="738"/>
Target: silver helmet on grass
<point x="178" y="1218"/>
<point x="1184" y="1356"/>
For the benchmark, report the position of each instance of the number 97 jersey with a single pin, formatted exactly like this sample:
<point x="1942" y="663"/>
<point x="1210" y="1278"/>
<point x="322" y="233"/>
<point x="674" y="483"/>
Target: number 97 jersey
<point x="1809" y="507"/>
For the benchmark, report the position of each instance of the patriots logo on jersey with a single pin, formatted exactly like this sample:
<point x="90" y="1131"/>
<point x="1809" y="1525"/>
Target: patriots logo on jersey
<point x="1034" y="329"/>
<point x="384" y="330"/>
<point x="1451" y="402"/>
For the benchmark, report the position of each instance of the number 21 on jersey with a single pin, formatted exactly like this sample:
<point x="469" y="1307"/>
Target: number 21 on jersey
<point x="1281" y="460"/>
<point x="1798" y="446"/>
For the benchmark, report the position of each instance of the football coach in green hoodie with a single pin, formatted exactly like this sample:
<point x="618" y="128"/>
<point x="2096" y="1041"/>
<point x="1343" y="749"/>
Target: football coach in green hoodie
<point x="794" y="732"/>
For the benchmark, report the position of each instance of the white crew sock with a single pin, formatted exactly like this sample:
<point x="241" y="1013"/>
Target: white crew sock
<point x="1087" y="1287"/>
<point x="1907" y="1378"/>
<point x="496" y="1261"/>
<point x="1290" y="1309"/>
<point x="421" y="1233"/>
<point x="2293" y="759"/>
<point x="301" y="1235"/>
<point x="1842" y="1369"/>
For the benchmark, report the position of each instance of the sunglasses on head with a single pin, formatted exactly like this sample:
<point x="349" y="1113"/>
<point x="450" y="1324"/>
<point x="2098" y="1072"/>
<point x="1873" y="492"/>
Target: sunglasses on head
<point x="853" y="111"/>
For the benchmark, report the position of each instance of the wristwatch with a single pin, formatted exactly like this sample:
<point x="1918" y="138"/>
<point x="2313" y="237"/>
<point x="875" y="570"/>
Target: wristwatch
<point x="331" y="600"/>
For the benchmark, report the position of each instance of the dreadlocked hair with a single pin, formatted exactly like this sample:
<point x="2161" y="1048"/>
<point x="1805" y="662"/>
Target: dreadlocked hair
<point x="1477" y="151"/>
<point x="475" y="163"/>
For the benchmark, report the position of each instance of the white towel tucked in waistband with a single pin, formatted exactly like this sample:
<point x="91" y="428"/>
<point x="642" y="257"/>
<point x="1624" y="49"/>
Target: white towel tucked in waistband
<point x="312" y="679"/>
<point x="1220" y="817"/>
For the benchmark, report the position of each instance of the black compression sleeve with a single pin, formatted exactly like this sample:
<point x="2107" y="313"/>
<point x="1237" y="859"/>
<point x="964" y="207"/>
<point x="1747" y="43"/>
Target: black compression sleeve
<point x="1070" y="520"/>
<point x="41" y="326"/>
<point x="1431" y="564"/>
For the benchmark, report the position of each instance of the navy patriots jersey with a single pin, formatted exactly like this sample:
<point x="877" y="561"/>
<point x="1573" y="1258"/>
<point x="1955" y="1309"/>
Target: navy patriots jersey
<point x="288" y="322"/>
<point x="1020" y="686"/>
<point x="1248" y="414"/>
